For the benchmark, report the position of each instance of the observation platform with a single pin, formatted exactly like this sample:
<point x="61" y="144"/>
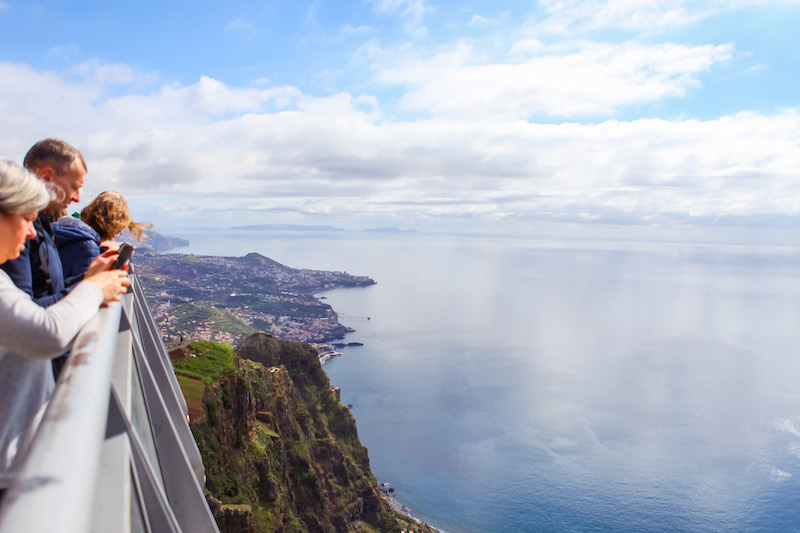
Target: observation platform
<point x="114" y="452"/>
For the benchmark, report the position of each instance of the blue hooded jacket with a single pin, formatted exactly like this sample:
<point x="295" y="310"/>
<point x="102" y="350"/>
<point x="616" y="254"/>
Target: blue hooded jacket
<point x="78" y="245"/>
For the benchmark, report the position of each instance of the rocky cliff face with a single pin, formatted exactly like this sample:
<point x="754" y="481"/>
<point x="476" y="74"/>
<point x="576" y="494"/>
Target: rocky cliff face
<point x="281" y="451"/>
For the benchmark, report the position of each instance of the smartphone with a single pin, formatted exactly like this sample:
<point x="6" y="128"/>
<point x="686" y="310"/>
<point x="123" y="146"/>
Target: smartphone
<point x="125" y="251"/>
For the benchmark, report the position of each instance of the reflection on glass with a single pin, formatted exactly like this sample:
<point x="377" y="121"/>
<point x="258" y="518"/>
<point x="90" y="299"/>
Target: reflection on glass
<point x="137" y="517"/>
<point x="140" y="419"/>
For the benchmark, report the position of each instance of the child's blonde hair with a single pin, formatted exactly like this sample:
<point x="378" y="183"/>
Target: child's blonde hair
<point x="108" y="215"/>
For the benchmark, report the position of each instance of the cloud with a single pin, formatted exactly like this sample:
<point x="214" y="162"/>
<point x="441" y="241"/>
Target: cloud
<point x="479" y="21"/>
<point x="411" y="10"/>
<point x="211" y="147"/>
<point x="571" y="16"/>
<point x="243" y="28"/>
<point x="33" y="102"/>
<point x="579" y="79"/>
<point x="350" y="30"/>
<point x="644" y="17"/>
<point x="311" y="13"/>
<point x="64" y="52"/>
<point x="97" y="72"/>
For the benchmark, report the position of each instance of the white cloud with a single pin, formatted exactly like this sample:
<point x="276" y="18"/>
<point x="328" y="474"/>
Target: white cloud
<point x="64" y="52"/>
<point x="581" y="79"/>
<point x="567" y="17"/>
<point x="411" y="10"/>
<point x="526" y="48"/>
<point x="212" y="148"/>
<point x="350" y="30"/>
<point x="100" y="73"/>
<point x="243" y="28"/>
<point x="311" y="13"/>
<point x="479" y="21"/>
<point x="38" y="104"/>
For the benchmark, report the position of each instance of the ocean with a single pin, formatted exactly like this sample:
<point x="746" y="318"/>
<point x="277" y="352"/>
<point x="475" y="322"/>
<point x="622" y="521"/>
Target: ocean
<point x="521" y="385"/>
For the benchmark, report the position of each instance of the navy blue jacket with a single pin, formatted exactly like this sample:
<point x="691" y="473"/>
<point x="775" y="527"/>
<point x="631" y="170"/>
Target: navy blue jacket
<point x="37" y="270"/>
<point x="78" y="245"/>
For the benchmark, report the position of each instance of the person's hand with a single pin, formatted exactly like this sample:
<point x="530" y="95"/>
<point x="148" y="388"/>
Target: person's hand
<point x="111" y="245"/>
<point x="101" y="263"/>
<point x="113" y="283"/>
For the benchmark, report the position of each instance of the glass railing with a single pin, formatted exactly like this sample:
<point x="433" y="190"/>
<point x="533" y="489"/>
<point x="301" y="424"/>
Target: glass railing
<point x="113" y="452"/>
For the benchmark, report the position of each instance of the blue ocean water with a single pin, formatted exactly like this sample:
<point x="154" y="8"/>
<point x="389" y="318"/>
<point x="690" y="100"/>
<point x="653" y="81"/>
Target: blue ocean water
<point x="512" y="385"/>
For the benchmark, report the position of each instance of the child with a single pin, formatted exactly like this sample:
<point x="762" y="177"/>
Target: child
<point x="80" y="241"/>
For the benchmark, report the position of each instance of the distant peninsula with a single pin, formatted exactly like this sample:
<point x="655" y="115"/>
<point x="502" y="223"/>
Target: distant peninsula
<point x="226" y="298"/>
<point x="391" y="230"/>
<point x="285" y="227"/>
<point x="153" y="241"/>
<point x="163" y="243"/>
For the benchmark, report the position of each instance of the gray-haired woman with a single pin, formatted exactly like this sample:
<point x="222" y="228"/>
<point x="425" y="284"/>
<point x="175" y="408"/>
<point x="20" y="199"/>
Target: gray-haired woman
<point x="31" y="335"/>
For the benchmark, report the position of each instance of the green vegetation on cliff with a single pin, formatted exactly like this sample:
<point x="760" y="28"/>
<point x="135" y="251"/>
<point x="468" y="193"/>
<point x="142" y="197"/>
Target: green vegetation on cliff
<point x="211" y="360"/>
<point x="281" y="451"/>
<point x="222" y="319"/>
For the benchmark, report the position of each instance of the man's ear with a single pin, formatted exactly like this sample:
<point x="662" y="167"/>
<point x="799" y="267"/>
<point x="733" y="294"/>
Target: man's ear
<point x="46" y="173"/>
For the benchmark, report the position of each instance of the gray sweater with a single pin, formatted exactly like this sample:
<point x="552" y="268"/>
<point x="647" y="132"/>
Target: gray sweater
<point x="29" y="337"/>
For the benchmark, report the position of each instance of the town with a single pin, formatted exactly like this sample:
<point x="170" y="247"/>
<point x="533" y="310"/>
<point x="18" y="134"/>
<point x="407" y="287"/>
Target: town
<point x="226" y="298"/>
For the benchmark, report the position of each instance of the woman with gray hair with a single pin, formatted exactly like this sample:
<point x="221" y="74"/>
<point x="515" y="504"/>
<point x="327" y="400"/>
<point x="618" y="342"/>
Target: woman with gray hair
<point x="30" y="335"/>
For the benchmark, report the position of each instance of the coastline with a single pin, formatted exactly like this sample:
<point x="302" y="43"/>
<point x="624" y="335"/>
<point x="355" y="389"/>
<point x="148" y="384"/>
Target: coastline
<point x="327" y="346"/>
<point x="387" y="496"/>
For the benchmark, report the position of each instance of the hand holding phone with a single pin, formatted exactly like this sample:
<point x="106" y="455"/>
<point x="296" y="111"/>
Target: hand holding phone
<point x="125" y="251"/>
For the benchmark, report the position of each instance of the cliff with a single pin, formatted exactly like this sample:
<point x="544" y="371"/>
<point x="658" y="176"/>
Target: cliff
<point x="281" y="451"/>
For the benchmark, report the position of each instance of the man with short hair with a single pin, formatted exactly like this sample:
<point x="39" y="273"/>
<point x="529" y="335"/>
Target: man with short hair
<point x="38" y="270"/>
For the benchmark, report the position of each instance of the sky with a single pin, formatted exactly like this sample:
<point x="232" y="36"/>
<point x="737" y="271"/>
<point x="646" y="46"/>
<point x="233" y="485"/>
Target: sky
<point x="641" y="119"/>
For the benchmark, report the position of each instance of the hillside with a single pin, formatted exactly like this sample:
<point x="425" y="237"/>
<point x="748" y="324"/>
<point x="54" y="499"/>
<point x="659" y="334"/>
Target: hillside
<point x="227" y="298"/>
<point x="282" y="453"/>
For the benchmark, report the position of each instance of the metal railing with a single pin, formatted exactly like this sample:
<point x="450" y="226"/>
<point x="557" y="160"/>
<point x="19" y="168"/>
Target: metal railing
<point x="113" y="452"/>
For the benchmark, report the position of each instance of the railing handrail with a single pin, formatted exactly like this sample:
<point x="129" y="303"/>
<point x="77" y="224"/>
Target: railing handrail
<point x="55" y="486"/>
<point x="83" y="449"/>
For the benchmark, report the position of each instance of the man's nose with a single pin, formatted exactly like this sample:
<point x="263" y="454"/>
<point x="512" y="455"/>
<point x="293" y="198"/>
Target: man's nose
<point x="77" y="196"/>
<point x="31" y="234"/>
